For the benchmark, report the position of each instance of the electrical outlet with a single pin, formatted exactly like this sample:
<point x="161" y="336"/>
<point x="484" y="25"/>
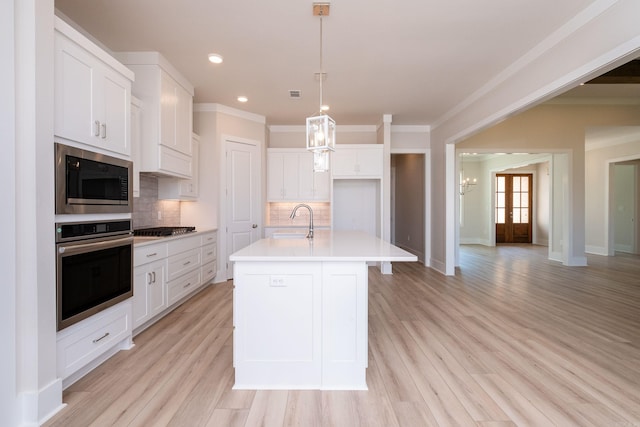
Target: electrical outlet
<point x="159" y="215"/>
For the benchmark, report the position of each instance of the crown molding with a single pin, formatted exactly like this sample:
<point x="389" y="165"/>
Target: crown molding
<point x="219" y="108"/>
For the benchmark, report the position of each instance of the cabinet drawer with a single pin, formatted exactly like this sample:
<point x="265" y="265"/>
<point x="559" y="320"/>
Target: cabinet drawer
<point x="182" y="286"/>
<point x="208" y="253"/>
<point x="183" y="263"/>
<point x="150" y="253"/>
<point x="91" y="338"/>
<point x="209" y="238"/>
<point x="183" y="244"/>
<point x="209" y="272"/>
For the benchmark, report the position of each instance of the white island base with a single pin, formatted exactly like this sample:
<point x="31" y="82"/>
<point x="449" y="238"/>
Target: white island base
<point x="300" y="314"/>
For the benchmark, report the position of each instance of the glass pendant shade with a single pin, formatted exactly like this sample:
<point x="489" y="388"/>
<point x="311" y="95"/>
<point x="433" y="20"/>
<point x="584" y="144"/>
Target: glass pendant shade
<point x="321" y="161"/>
<point x="321" y="133"/>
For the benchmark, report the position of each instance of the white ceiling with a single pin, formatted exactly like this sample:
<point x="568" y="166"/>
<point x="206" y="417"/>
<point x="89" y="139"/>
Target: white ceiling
<point x="413" y="59"/>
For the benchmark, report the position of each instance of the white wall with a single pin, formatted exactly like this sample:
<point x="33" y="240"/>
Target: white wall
<point x="295" y="136"/>
<point x="214" y="122"/>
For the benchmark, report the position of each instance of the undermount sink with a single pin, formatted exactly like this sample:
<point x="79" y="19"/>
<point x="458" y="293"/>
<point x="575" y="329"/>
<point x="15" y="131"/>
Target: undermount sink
<point x="289" y="235"/>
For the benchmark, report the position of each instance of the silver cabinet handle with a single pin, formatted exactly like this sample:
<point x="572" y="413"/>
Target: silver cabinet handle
<point x="153" y="254"/>
<point x="209" y="253"/>
<point x="254" y="226"/>
<point x="104" y="131"/>
<point x="187" y="285"/>
<point x="149" y="281"/>
<point x="154" y="276"/>
<point x="186" y="263"/>
<point x="101" y="338"/>
<point x="96" y="131"/>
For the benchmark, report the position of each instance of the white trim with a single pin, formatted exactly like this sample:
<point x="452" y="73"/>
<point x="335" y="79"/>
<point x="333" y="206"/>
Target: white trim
<point x="339" y="128"/>
<point x="596" y="250"/>
<point x="609" y="232"/>
<point x="410" y="128"/>
<point x="451" y="220"/>
<point x="410" y="150"/>
<point x="209" y="107"/>
<point x="592" y="101"/>
<point x="155" y="58"/>
<point x="625" y="139"/>
<point x="48" y="400"/>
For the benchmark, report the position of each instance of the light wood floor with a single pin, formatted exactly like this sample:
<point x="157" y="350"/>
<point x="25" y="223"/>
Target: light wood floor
<point x="512" y="339"/>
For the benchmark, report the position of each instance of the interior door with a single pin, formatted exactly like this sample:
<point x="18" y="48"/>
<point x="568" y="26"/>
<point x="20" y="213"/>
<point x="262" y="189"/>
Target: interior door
<point x="513" y="208"/>
<point x="243" y="196"/>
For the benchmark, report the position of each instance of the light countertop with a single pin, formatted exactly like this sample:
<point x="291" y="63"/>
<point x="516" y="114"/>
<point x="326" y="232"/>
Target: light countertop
<point x="149" y="240"/>
<point x="325" y="246"/>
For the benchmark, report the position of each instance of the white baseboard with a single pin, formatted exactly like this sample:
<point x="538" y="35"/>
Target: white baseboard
<point x="596" y="250"/>
<point x="438" y="266"/>
<point x="37" y="407"/>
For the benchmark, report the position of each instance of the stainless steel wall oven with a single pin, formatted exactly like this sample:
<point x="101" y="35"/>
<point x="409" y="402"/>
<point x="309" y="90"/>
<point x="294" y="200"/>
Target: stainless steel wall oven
<point x="94" y="267"/>
<point x="88" y="182"/>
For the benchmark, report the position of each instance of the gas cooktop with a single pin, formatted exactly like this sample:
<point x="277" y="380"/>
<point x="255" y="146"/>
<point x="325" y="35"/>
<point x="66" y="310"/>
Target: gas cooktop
<point x="163" y="231"/>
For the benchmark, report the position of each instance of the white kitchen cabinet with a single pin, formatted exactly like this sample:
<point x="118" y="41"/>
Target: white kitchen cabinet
<point x="182" y="189"/>
<point x="357" y="161"/>
<point x="86" y="344"/>
<point x="149" y="290"/>
<point x="313" y="186"/>
<point x="290" y="177"/>
<point x="167" y="121"/>
<point x="136" y="140"/>
<point x="92" y="93"/>
<point x="282" y="176"/>
<point x="168" y="270"/>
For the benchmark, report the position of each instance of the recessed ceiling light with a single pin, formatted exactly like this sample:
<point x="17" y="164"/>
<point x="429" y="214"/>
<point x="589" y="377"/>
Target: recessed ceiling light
<point x="215" y="58"/>
<point x="242" y="99"/>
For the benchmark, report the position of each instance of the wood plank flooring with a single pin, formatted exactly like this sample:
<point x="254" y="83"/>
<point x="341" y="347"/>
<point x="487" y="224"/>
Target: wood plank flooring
<point x="512" y="340"/>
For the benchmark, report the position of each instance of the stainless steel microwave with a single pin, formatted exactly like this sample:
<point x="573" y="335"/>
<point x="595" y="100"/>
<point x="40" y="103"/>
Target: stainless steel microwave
<point x="88" y="182"/>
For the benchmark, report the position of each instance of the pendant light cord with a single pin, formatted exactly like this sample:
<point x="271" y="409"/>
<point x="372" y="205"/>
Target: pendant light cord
<point x="321" y="69"/>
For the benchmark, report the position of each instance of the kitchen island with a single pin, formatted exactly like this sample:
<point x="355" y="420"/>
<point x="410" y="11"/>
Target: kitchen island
<point x="300" y="310"/>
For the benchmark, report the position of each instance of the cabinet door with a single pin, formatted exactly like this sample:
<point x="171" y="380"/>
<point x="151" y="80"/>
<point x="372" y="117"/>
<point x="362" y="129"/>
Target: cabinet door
<point x="74" y="74"/>
<point x="275" y="177"/>
<point x="114" y="110"/>
<point x="168" y="105"/>
<point x="149" y="293"/>
<point x="344" y="162"/>
<point x="136" y="149"/>
<point x="369" y="162"/>
<point x="291" y="176"/>
<point x="189" y="187"/>
<point x="321" y="186"/>
<point x="184" y="106"/>
<point x="306" y="176"/>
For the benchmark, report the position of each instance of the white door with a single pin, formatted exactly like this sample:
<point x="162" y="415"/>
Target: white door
<point x="243" y="196"/>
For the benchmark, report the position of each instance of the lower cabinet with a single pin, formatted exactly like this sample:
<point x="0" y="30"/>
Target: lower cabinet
<point x="149" y="290"/>
<point x="83" y="346"/>
<point x="166" y="272"/>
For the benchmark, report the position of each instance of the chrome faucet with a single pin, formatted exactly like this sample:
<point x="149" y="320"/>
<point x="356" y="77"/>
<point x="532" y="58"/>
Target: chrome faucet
<point x="293" y="215"/>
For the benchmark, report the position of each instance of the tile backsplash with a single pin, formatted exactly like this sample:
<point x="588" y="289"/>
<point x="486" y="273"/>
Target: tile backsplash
<point x="278" y="214"/>
<point x="147" y="206"/>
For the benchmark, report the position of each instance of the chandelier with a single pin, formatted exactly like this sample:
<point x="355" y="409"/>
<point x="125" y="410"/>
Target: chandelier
<point x="466" y="184"/>
<point x="321" y="129"/>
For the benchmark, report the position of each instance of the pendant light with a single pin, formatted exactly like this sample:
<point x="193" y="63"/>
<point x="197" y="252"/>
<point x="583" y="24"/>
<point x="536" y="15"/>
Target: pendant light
<point x="321" y="129"/>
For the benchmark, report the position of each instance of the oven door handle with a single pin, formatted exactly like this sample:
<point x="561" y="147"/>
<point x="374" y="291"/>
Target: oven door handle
<point x="71" y="249"/>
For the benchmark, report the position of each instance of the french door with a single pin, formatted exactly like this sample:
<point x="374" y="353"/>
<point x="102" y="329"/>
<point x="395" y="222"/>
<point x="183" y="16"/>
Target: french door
<point x="513" y="208"/>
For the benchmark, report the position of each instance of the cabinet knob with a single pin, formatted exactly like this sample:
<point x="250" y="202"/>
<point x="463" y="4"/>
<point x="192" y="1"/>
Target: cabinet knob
<point x="254" y="226"/>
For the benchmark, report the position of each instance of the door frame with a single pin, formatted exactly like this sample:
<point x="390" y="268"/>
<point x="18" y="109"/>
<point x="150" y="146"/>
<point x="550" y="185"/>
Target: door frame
<point x="222" y="207"/>
<point x="532" y="190"/>
<point x="609" y="229"/>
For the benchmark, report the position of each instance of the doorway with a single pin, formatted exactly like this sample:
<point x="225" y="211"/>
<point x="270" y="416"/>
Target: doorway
<point x="513" y="200"/>
<point x="408" y="203"/>
<point x="242" y="196"/>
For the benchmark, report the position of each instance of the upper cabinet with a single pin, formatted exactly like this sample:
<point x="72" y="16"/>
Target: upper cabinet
<point x="357" y="161"/>
<point x="92" y="93"/>
<point x="167" y="121"/>
<point x="182" y="189"/>
<point x="290" y="177"/>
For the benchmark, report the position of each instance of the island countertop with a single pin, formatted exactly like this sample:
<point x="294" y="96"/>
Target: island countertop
<point x="326" y="245"/>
